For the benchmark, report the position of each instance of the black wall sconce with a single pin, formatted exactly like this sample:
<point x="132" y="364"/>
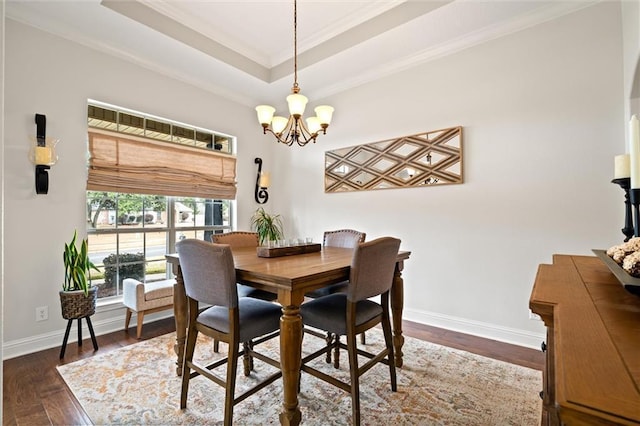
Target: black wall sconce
<point x="42" y="154"/>
<point x="262" y="183"/>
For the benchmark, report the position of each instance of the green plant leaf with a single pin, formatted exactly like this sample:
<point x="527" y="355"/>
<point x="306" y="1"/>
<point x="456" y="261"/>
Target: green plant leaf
<point x="268" y="227"/>
<point x="77" y="266"/>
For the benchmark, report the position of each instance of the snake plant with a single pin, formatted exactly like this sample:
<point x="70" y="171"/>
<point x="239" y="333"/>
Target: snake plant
<point x="77" y="266"/>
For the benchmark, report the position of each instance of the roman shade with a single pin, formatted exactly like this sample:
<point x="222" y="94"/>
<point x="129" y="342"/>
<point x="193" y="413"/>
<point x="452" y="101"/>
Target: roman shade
<point x="126" y="163"/>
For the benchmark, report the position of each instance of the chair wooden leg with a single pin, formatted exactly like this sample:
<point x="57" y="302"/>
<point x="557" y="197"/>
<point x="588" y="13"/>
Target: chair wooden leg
<point x="329" y="340"/>
<point x="388" y="340"/>
<point x="247" y="358"/>
<point x="232" y="367"/>
<point x="355" y="380"/>
<point x="66" y="337"/>
<point x="127" y="319"/>
<point x="251" y="357"/>
<point x="363" y="340"/>
<point x="216" y="345"/>
<point x="336" y="353"/>
<point x="192" y="336"/>
<point x="140" y="320"/>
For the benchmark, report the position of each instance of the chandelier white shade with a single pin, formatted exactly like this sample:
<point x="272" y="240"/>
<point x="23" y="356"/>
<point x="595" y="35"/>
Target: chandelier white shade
<point x="293" y="130"/>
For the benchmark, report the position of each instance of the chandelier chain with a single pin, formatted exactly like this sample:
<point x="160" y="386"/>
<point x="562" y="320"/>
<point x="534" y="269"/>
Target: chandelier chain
<point x="294" y="130"/>
<point x="295" y="44"/>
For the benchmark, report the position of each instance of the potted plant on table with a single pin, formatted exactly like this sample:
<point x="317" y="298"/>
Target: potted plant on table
<point x="77" y="297"/>
<point x="268" y="227"/>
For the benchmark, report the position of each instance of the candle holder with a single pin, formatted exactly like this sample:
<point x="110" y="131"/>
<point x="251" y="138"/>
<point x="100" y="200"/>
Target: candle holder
<point x="628" y="230"/>
<point x="42" y="154"/>
<point x="261" y="195"/>
<point x="634" y="197"/>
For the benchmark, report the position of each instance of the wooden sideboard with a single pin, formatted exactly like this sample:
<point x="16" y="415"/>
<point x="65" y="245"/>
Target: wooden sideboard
<point x="592" y="374"/>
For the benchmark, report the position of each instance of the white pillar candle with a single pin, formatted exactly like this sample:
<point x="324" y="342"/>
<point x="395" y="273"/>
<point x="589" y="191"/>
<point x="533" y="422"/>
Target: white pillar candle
<point x="621" y="169"/>
<point x="265" y="180"/>
<point x="43" y="155"/>
<point x="634" y="151"/>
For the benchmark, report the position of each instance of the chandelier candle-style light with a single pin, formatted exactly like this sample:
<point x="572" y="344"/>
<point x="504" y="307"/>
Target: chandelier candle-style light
<point x="293" y="130"/>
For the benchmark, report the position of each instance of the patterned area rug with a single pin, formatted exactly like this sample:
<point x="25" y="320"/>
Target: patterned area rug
<point x="436" y="386"/>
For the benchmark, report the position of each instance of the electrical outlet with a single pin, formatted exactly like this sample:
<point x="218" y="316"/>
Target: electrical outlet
<point x="42" y="313"/>
<point x="533" y="316"/>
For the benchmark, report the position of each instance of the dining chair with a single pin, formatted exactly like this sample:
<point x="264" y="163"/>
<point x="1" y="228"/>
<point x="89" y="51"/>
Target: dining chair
<point x="351" y="313"/>
<point x="209" y="277"/>
<point x="348" y="238"/>
<point x="238" y="239"/>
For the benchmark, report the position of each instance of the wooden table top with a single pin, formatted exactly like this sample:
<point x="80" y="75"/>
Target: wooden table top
<point x="301" y="271"/>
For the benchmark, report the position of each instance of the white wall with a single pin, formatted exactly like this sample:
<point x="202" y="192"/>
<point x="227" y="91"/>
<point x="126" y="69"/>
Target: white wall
<point x="1" y="185"/>
<point x="48" y="75"/>
<point x="542" y="117"/>
<point x="631" y="50"/>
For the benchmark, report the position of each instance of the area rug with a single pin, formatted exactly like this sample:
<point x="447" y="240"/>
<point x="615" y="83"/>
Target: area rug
<point x="436" y="386"/>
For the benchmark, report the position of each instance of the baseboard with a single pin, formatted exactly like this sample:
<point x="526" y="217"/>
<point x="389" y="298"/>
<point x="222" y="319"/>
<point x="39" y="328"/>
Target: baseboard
<point x="54" y="339"/>
<point x="514" y="336"/>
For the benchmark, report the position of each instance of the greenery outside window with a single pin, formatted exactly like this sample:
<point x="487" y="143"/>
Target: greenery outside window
<point x="129" y="234"/>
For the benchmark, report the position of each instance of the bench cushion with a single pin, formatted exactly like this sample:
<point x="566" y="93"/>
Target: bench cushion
<point x="140" y="296"/>
<point x="158" y="289"/>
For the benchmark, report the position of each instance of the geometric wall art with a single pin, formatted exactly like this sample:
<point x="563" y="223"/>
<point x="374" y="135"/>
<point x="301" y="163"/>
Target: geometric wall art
<point x="425" y="159"/>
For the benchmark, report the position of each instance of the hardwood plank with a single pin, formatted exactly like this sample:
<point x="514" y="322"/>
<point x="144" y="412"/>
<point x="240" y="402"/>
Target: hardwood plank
<point x="514" y="354"/>
<point x="34" y="392"/>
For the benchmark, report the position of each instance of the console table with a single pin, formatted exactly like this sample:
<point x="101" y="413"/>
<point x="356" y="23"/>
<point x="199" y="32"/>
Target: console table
<point x="592" y="372"/>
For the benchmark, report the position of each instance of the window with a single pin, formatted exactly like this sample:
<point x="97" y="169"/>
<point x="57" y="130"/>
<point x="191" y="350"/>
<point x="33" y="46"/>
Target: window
<point x="129" y="233"/>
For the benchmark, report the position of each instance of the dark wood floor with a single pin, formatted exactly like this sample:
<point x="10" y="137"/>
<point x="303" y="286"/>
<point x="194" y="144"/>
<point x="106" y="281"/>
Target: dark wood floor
<point x="34" y="393"/>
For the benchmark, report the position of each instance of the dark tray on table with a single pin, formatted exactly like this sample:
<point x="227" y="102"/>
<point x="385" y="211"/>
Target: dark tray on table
<point x="629" y="282"/>
<point x="288" y="251"/>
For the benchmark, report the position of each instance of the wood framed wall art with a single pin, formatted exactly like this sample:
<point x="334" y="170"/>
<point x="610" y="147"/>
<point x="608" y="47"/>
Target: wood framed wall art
<point x="424" y="159"/>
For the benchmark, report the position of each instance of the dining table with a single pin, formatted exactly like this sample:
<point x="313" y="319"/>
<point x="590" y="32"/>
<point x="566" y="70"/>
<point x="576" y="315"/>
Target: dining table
<point x="290" y="277"/>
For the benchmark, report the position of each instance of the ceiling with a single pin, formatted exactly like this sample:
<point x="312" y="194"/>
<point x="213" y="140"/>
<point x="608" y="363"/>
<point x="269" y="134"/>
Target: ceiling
<point x="243" y="49"/>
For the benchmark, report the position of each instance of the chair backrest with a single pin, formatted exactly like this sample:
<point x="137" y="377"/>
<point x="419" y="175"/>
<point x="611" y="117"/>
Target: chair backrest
<point x="372" y="268"/>
<point x="208" y="272"/>
<point x="236" y="239"/>
<point x="348" y="238"/>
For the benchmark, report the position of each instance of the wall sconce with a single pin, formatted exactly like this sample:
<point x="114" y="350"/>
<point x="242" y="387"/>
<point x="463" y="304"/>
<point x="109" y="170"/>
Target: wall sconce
<point x="42" y="154"/>
<point x="263" y="181"/>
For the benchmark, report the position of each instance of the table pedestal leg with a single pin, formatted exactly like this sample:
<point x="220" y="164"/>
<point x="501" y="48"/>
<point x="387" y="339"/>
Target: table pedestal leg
<point x="290" y="356"/>
<point x="180" y="313"/>
<point x="397" y="304"/>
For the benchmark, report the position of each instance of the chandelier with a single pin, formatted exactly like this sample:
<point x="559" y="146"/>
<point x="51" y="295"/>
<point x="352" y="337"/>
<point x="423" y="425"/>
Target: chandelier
<point x="293" y="129"/>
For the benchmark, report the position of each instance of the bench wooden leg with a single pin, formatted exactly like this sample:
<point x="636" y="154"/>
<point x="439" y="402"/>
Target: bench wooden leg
<point x="127" y="319"/>
<point x="140" y="319"/>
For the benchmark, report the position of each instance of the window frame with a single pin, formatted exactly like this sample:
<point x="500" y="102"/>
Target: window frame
<point x="101" y="115"/>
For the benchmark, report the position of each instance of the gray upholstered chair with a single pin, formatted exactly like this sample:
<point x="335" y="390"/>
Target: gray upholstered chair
<point x="351" y="313"/>
<point x="239" y="239"/>
<point x="348" y="238"/>
<point x="209" y="277"/>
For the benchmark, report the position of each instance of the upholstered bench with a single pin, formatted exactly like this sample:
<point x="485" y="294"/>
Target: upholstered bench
<point x="146" y="298"/>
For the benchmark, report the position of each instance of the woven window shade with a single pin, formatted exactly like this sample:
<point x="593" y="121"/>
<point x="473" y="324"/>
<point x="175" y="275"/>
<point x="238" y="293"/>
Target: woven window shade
<point x="127" y="163"/>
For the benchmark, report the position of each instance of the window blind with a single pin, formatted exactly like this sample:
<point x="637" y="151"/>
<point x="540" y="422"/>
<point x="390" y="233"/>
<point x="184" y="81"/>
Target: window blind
<point x="127" y="163"/>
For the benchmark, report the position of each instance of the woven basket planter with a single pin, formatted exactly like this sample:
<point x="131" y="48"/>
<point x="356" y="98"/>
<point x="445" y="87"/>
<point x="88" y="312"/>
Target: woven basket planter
<point x="76" y="305"/>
